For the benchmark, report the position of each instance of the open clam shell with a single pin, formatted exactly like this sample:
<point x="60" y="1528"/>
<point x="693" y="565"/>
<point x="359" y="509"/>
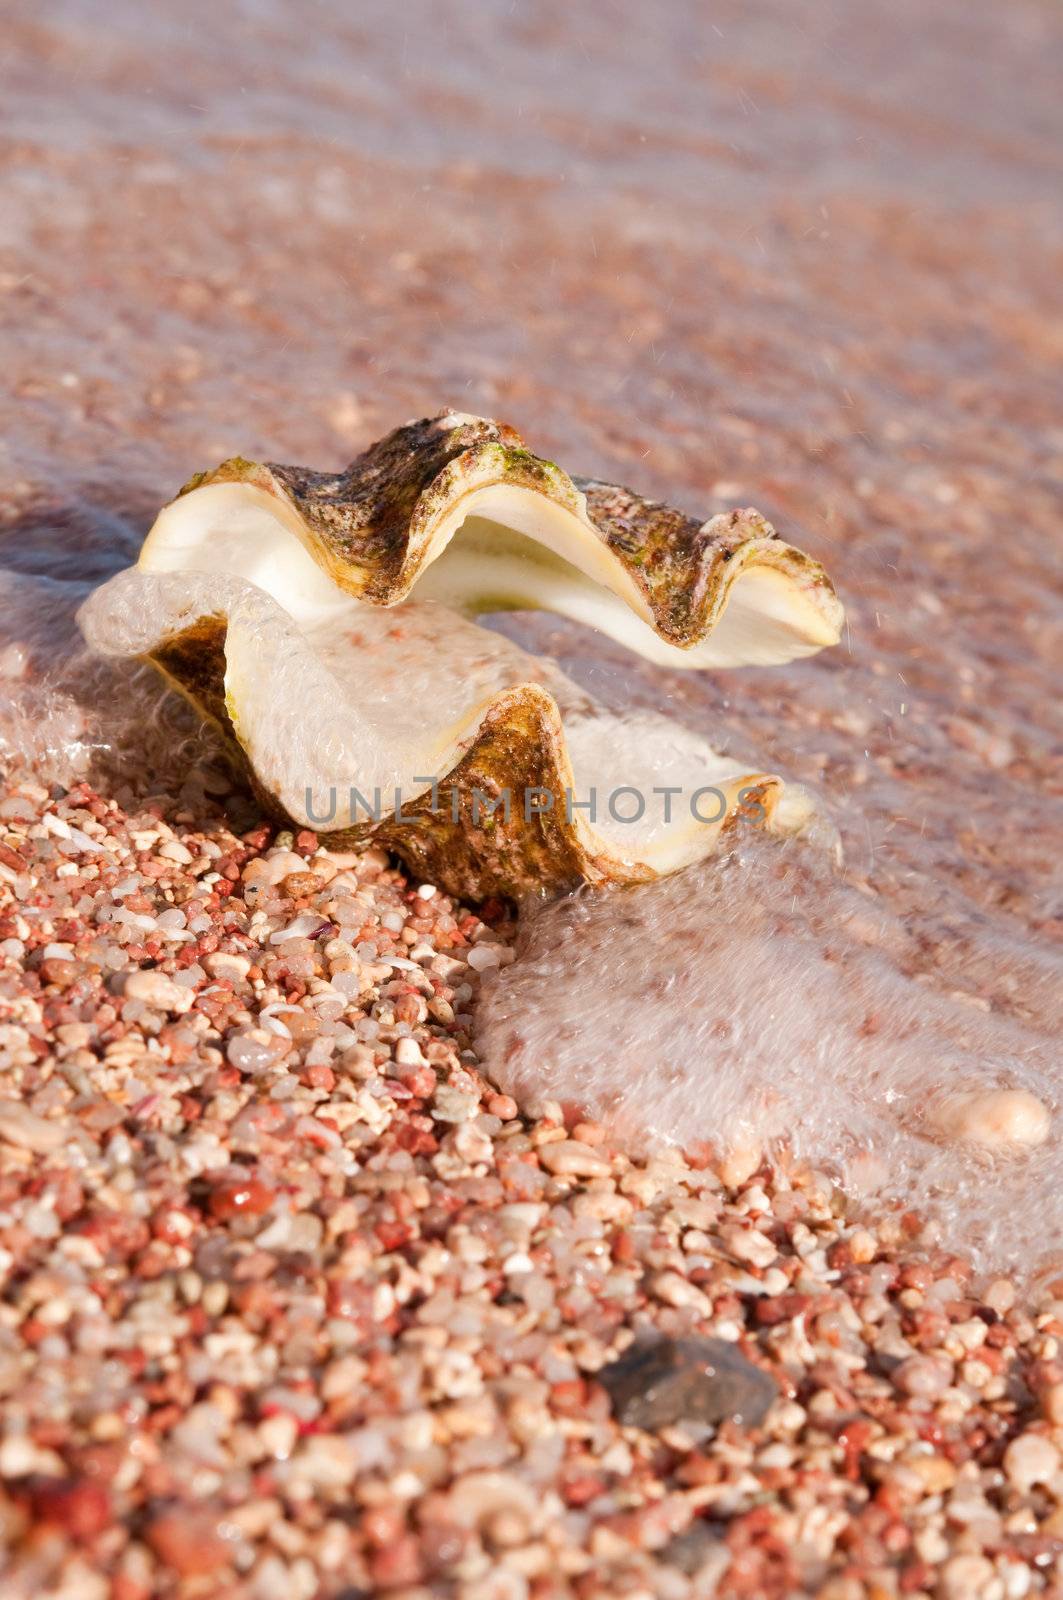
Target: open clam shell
<point x="325" y="623"/>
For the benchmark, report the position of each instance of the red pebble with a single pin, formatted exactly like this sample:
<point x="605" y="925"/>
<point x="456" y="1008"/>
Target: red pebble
<point x="569" y="1397"/>
<point x="854" y="1439"/>
<point x="417" y="1141"/>
<point x="188" y="1542"/>
<point x="393" y="1235"/>
<point x="781" y="1308"/>
<point x="623" y="1246"/>
<point x="241" y="1197"/>
<point x="124" y="1586"/>
<point x="581" y="1491"/>
<point x="382" y="1525"/>
<point x="320" y="1077"/>
<point x="397" y="1565"/>
<point x="79" y="1506"/>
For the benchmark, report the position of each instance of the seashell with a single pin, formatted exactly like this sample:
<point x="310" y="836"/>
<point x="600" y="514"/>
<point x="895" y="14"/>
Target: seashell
<point x="326" y="623"/>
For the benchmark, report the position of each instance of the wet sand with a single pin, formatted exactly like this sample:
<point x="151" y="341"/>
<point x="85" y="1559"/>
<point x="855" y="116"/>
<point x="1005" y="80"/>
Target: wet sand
<point x="804" y="260"/>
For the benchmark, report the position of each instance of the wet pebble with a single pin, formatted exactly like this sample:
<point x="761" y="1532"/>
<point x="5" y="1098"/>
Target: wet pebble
<point x="568" y="1158"/>
<point x="665" y="1381"/>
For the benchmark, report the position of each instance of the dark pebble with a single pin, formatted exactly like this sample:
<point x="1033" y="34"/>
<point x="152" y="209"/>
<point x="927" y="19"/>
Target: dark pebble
<point x="690" y="1549"/>
<point x="665" y="1381"/>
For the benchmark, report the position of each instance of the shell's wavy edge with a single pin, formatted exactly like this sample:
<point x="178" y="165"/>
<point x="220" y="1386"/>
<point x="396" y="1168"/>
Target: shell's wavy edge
<point x="233" y="651"/>
<point x="378" y="526"/>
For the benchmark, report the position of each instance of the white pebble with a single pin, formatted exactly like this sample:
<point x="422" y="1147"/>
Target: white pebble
<point x="156" y="989"/>
<point x="19" y="1456"/>
<point x="1000" y="1296"/>
<point x="250" y="1053"/>
<point x="1030" y="1459"/>
<point x="454" y="1105"/>
<point x="480" y="1495"/>
<point x="675" y="1290"/>
<point x="749" y="1244"/>
<point x="174" y="850"/>
<point x="484" y="956"/>
<point x="923" y="1377"/>
<point x="568" y="1158"/>
<point x="739" y="1164"/>
<point x="21" y="1126"/>
<point x="306" y="923"/>
<point x="41" y="1221"/>
<point x="998" y="1119"/>
<point x="271" y="869"/>
<point x="408" y="1053"/>
<point x="225" y="964"/>
<point x="965" y="1577"/>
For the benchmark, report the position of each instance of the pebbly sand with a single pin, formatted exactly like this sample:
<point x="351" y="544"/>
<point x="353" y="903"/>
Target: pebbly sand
<point x="295" y="1302"/>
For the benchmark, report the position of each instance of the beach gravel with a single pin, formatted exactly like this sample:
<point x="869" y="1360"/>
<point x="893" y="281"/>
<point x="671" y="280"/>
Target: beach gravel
<point x="295" y="1304"/>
